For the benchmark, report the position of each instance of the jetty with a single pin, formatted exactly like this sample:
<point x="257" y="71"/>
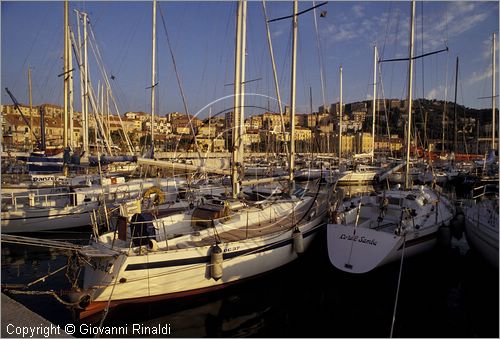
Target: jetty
<point x="20" y="322"/>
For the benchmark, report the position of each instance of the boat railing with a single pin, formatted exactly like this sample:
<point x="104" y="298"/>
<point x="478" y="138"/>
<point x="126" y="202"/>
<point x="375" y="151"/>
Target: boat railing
<point x="480" y="191"/>
<point x="139" y="235"/>
<point x="44" y="200"/>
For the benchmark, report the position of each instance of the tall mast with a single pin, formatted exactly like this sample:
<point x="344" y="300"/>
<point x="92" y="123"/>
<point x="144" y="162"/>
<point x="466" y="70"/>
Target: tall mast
<point x="153" y="76"/>
<point x="445" y="107"/>
<point x="85" y="87"/>
<point x="374" y="98"/>
<point x="340" y="117"/>
<point x="79" y="60"/>
<point x="70" y="88"/>
<point x="241" y="128"/>
<point x="409" y="96"/>
<point x="493" y="92"/>
<point x="293" y="77"/>
<point x="238" y="112"/>
<point x="455" y="123"/>
<point x="31" y="108"/>
<point x="65" y="76"/>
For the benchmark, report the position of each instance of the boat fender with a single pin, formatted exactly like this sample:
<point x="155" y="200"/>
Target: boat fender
<point x="152" y="245"/>
<point x="84" y="301"/>
<point x="335" y="217"/>
<point x="298" y="241"/>
<point x="216" y="260"/>
<point x="312" y="215"/>
<point x="444" y="236"/>
<point x="31" y="197"/>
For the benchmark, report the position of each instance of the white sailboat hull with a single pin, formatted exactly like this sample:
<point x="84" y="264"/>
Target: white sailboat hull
<point x="354" y="177"/>
<point x="481" y="229"/>
<point x="371" y="231"/>
<point x="48" y="219"/>
<point x="360" y="250"/>
<point x="182" y="272"/>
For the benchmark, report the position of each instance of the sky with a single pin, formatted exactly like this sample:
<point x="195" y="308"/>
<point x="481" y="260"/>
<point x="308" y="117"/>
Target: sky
<point x="202" y="38"/>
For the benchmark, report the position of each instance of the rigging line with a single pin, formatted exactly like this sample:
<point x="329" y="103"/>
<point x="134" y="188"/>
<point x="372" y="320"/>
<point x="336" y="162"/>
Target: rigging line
<point x="128" y="43"/>
<point x="398" y="286"/>
<point x="228" y="71"/>
<point x="416" y="57"/>
<point x="94" y="100"/>
<point x="320" y="56"/>
<point x="299" y="13"/>
<point x="245" y="82"/>
<point x="286" y="58"/>
<point x="396" y="43"/>
<point x="31" y="48"/>
<point x="387" y="29"/>
<point x="179" y="82"/>
<point x="388" y="130"/>
<point x="275" y="75"/>
<point x="100" y="62"/>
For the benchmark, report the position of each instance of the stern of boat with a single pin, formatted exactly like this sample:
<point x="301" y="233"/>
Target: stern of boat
<point x="360" y="250"/>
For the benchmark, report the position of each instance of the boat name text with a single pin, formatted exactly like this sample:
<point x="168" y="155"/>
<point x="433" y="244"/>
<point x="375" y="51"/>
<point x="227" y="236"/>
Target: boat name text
<point x="231" y="249"/>
<point x="357" y="238"/>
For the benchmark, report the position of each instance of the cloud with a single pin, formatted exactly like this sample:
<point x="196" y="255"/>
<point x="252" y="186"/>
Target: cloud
<point x="486" y="55"/>
<point x="342" y="32"/>
<point x="358" y="11"/>
<point x="478" y="77"/>
<point x="441" y="23"/>
<point x="277" y="33"/>
<point x="456" y="18"/>
<point x="435" y="93"/>
<point x="466" y="23"/>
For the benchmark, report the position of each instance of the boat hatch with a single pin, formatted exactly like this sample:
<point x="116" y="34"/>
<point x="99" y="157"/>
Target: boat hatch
<point x="204" y="215"/>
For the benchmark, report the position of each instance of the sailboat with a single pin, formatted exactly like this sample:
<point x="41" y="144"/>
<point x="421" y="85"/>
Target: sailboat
<point x="218" y="243"/>
<point x="481" y="226"/>
<point x="361" y="174"/>
<point x="481" y="216"/>
<point x="370" y="231"/>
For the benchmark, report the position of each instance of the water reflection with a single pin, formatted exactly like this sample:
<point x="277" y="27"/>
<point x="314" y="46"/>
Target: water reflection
<point x="444" y="293"/>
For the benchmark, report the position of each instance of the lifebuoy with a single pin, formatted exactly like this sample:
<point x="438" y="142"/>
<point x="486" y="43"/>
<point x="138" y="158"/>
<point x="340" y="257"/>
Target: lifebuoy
<point x="159" y="197"/>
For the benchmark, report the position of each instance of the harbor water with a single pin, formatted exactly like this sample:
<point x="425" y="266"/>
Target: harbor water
<point x="444" y="293"/>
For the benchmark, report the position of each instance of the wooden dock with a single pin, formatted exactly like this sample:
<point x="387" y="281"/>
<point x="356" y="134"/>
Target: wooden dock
<point x="16" y="318"/>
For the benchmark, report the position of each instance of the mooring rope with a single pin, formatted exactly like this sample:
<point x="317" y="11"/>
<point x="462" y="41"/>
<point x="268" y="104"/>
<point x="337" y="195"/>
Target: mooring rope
<point x="399" y="285"/>
<point x="50" y="292"/>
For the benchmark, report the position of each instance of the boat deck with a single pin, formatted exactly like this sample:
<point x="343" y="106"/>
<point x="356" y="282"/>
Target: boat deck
<point x="266" y="227"/>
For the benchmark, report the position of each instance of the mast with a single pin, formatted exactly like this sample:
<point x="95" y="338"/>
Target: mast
<point x="374" y="98"/>
<point x="65" y="74"/>
<point x="79" y="60"/>
<point x="493" y="92"/>
<point x="243" y="54"/>
<point x="409" y="96"/>
<point x="293" y="77"/>
<point x="445" y="107"/>
<point x="86" y="147"/>
<point x="340" y="117"/>
<point x="238" y="112"/>
<point x="455" y="129"/>
<point x="70" y="88"/>
<point x="31" y="108"/>
<point x="153" y="76"/>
